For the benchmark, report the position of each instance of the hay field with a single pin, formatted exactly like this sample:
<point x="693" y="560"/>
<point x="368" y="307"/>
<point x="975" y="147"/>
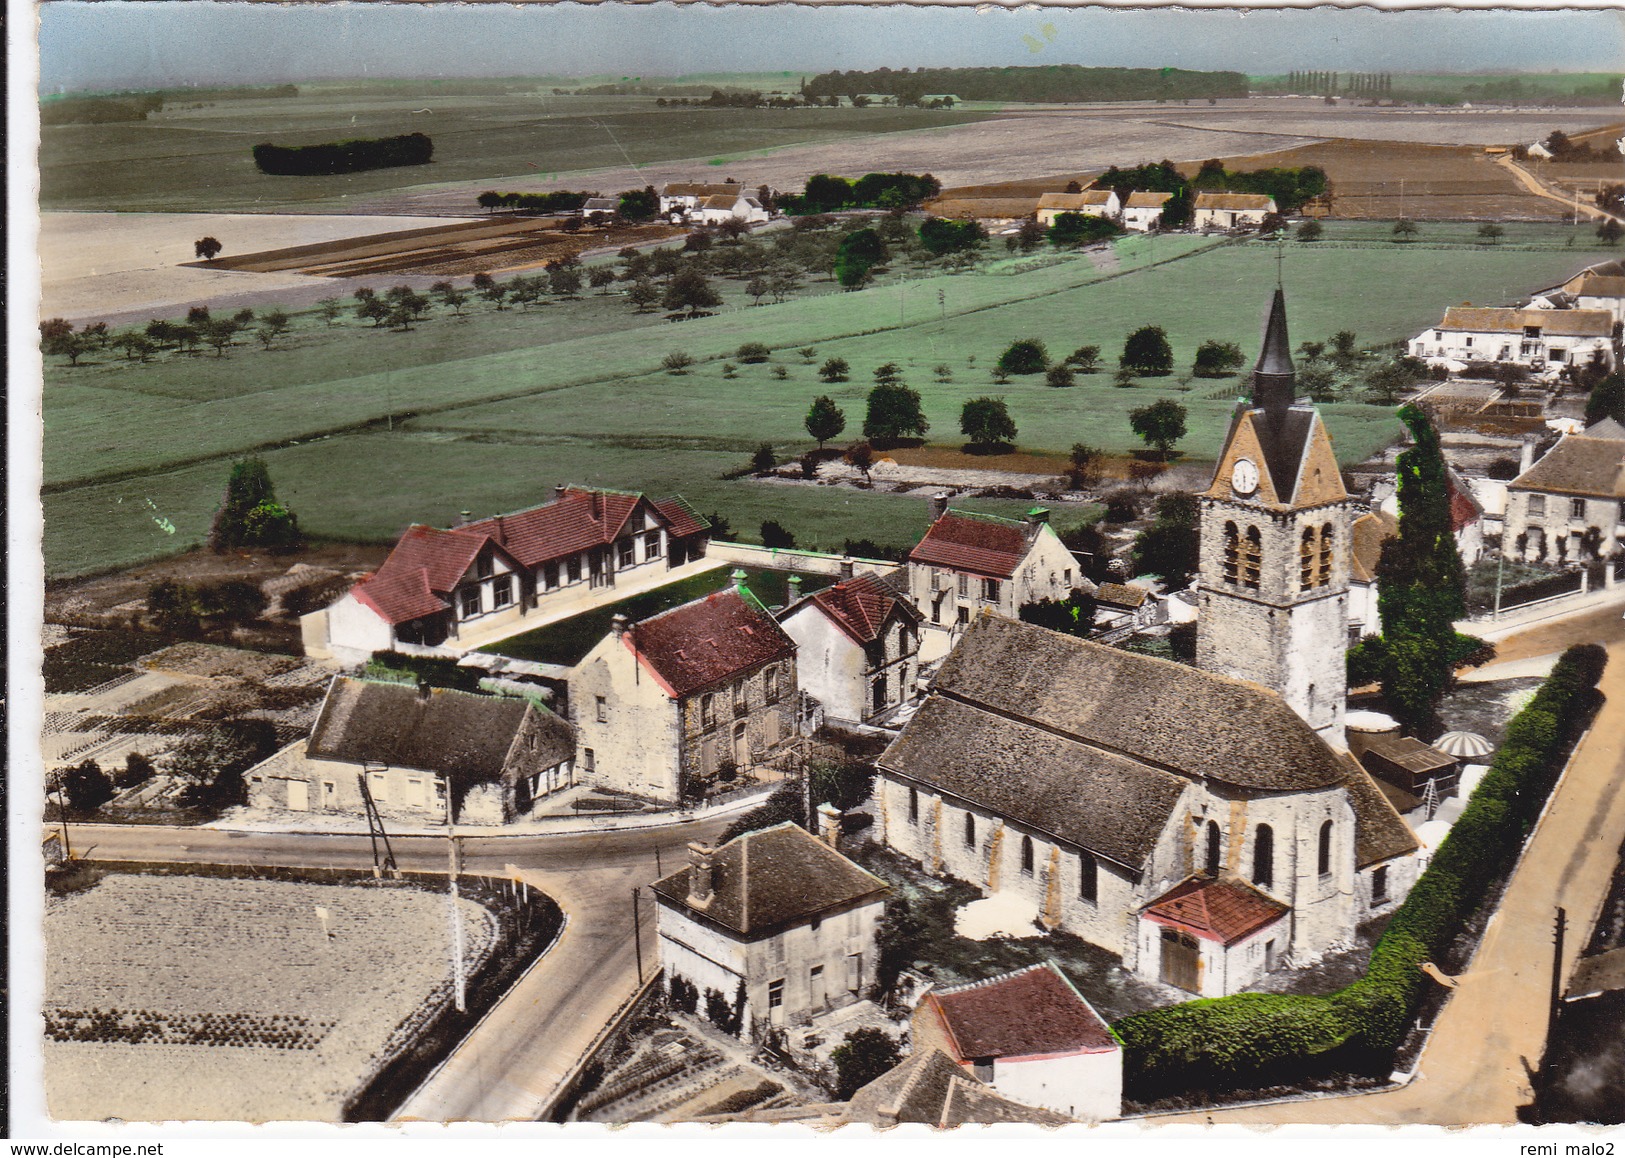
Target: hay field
<point x="200" y="998"/>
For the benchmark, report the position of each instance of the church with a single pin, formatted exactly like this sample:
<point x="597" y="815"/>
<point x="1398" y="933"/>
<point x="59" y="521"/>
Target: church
<point x="1204" y="824"/>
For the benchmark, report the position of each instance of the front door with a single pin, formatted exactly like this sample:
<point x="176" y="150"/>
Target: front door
<point x="1179" y="960"/>
<point x="815" y="988"/>
<point x="741" y="746"/>
<point x="299" y="795"/>
<point x="880" y="693"/>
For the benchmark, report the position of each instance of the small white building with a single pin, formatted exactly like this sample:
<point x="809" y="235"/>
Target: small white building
<point x="777" y="917"/>
<point x="1124" y="605"/>
<point x="1570" y="505"/>
<point x="1089" y="203"/>
<point x="1032" y="1037"/>
<point x="722" y="207"/>
<point x="600" y="208"/>
<point x="857" y="646"/>
<point x="969" y="562"/>
<point x="1532" y="338"/>
<point x="496" y="755"/>
<point x="930" y="1088"/>
<point x="1143" y="211"/>
<point x="1600" y="292"/>
<point x="1231" y="210"/>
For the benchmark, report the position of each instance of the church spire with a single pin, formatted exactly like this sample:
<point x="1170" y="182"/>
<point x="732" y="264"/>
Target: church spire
<point x="1274" y="379"/>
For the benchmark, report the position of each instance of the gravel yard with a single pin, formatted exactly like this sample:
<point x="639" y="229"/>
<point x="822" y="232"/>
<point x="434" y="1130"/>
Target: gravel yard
<point x="198" y="998"/>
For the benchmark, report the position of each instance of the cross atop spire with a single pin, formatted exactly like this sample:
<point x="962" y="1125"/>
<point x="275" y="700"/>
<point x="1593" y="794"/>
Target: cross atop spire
<point x="1274" y="377"/>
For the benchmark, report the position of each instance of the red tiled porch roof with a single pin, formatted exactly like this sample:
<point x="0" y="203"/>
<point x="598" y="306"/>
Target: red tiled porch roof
<point x="1221" y="910"/>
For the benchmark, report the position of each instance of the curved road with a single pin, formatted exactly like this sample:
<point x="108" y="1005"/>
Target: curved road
<point x="509" y="1067"/>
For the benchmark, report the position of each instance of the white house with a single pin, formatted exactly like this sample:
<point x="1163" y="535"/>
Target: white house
<point x="1191" y="823"/>
<point x="1143" y="211"/>
<point x="497" y="755"/>
<point x="1600" y="292"/>
<point x="1570" y="505"/>
<point x="777" y="917"/>
<point x="857" y="646"/>
<point x="1231" y="210"/>
<point x="1089" y="203"/>
<point x="682" y="197"/>
<point x="600" y="208"/>
<point x="687" y="700"/>
<point x="968" y="561"/>
<point x="720" y="207"/>
<point x="438" y="587"/>
<point x="1032" y="1037"/>
<point x="1532" y="338"/>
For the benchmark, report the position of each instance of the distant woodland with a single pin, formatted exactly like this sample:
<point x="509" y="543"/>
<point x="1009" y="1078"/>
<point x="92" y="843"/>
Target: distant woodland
<point x="1060" y="82"/>
<point x="344" y="156"/>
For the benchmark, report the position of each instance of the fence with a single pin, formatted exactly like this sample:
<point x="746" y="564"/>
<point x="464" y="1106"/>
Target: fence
<point x="1546" y="587"/>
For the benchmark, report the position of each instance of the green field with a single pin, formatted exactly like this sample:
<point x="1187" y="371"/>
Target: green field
<point x="367" y="430"/>
<point x="197" y="159"/>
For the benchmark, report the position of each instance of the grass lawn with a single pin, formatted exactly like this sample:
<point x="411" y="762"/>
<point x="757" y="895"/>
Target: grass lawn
<point x="569" y="640"/>
<point x="198" y="159"/>
<point x="368" y="431"/>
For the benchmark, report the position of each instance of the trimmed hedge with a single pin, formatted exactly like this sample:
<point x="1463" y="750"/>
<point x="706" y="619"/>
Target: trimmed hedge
<point x="1254" y="1040"/>
<point x="344" y="156"/>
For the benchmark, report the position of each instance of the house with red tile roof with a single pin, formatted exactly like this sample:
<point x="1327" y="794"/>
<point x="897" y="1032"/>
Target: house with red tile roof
<point x="440" y="585"/>
<point x="969" y="562"/>
<point x="857" y="646"/>
<point x="690" y="700"/>
<point x="1221" y="934"/>
<point x="1032" y="1037"/>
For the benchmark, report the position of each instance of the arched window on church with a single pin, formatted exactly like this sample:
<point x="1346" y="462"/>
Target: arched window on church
<point x="970" y="831"/>
<point x="1325" y="577"/>
<point x="1252" y="559"/>
<point x="1306" y="560"/>
<point x="1264" y="856"/>
<point x="1232" y="554"/>
<point x="1324" y="861"/>
<point x="1088" y="878"/>
<point x="1213" y="849"/>
<point x="1027" y="855"/>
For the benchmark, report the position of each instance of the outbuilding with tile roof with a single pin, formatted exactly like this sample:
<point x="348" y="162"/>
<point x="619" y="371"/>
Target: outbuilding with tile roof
<point x="1030" y="1035"/>
<point x="776" y="922"/>
<point x="1231" y="210"/>
<point x="858" y="646"/>
<point x="1089" y="203"/>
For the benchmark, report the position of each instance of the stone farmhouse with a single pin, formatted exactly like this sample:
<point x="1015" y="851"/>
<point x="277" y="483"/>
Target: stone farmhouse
<point x="1570" y="505"/>
<point x="1533" y="338"/>
<point x="495" y="755"/>
<point x="1191" y="823"/>
<point x="969" y="561"/>
<point x="684" y="200"/>
<point x="1231" y="210"/>
<point x="857" y="646"/>
<point x="447" y="591"/>
<point x="681" y="701"/>
<point x="720" y="207"/>
<point x="1032" y="1037"/>
<point x="776" y="917"/>
<point x="1143" y="211"/>
<point x="1089" y="203"/>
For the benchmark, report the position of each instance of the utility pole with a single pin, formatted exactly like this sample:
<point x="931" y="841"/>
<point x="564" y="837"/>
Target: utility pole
<point x="1500" y="566"/>
<point x="459" y="982"/>
<point x="637" y="932"/>
<point x="1557" y="980"/>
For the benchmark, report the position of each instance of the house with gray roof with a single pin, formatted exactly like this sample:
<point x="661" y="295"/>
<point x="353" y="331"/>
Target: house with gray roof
<point x="776" y="922"/>
<point x="1569" y="506"/>
<point x="1190" y="822"/>
<point x="409" y="748"/>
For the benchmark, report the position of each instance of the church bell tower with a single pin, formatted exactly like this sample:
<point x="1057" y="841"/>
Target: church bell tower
<point x="1275" y="546"/>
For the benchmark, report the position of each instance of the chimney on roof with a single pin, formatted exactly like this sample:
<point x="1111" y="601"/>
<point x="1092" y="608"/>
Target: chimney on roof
<point x="597" y="504"/>
<point x="738" y="578"/>
<point x="619" y="624"/>
<point x="792" y="589"/>
<point x="846" y="567"/>
<point x="700" y="882"/>
<point x="1036" y="518"/>
<point x="558" y="491"/>
<point x="937" y="505"/>
<point x="829" y="824"/>
<point x="462" y="518"/>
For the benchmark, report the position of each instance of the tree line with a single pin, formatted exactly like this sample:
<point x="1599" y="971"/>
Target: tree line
<point x="1062" y="82"/>
<point x="344" y="156"/>
<point x="824" y="193"/>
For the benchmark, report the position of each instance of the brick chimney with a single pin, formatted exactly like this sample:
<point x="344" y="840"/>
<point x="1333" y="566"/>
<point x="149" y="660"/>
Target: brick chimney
<point x="846" y="567"/>
<point x="829" y="824"/>
<point x="558" y="491"/>
<point x="462" y="518"/>
<point x="1037" y="517"/>
<point x="699" y="875"/>
<point x="597" y="505"/>
<point x="937" y="505"/>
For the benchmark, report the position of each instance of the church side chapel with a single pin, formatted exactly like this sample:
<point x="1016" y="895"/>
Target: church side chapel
<point x="1206" y="824"/>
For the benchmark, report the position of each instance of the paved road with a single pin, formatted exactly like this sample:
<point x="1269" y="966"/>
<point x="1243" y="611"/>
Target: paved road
<point x="509" y="1067"/>
<point x="1473" y="1070"/>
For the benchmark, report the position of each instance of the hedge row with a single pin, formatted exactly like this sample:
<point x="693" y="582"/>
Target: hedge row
<point x="344" y="156"/>
<point x="559" y="201"/>
<point x="1254" y="1040"/>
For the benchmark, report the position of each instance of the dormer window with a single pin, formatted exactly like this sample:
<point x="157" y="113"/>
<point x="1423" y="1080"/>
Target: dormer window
<point x="1531" y="332"/>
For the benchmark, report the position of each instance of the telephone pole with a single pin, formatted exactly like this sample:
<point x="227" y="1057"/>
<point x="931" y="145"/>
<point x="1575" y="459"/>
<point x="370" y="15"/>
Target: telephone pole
<point x="637" y="932"/>
<point x="459" y="982"/>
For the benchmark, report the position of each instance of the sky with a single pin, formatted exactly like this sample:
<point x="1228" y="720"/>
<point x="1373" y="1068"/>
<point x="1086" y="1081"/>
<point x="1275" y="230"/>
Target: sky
<point x="111" y="44"/>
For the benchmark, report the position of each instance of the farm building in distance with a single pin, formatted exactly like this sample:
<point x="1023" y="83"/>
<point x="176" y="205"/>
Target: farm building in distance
<point x="1143" y="211"/>
<point x="1089" y="203"/>
<point x="1231" y="210"/>
<point x="1532" y="338"/>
